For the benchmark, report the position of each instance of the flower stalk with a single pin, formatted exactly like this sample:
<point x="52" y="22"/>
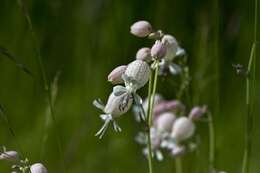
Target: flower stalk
<point x="250" y="89"/>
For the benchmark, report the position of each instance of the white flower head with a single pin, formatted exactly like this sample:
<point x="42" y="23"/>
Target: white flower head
<point x="38" y="168"/>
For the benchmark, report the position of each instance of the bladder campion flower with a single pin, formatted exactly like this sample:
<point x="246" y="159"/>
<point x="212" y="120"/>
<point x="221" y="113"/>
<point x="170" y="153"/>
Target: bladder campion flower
<point x="38" y="168"/>
<point x="141" y="28"/>
<point x="115" y="77"/>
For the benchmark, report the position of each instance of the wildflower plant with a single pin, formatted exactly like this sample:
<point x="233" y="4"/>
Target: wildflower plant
<point x="169" y="126"/>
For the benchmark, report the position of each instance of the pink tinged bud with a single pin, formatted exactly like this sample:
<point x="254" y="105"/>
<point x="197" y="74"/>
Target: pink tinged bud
<point x="118" y="105"/>
<point x="157" y="100"/>
<point x="183" y="128"/>
<point x="38" y="168"/>
<point x="144" y="54"/>
<point x="11" y="156"/>
<point x="197" y="112"/>
<point x="141" y="29"/>
<point x="137" y="75"/>
<point x="158" y="50"/>
<point x="166" y="106"/>
<point x="115" y="77"/>
<point x="171" y="45"/>
<point x="165" y="121"/>
<point x="178" y="150"/>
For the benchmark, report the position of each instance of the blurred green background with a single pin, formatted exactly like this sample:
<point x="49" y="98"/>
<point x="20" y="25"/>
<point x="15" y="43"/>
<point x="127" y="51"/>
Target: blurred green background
<point x="84" y="40"/>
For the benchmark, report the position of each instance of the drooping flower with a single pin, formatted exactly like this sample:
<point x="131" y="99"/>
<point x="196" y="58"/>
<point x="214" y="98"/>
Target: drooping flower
<point x="171" y="47"/>
<point x="164" y="122"/>
<point x="197" y="112"/>
<point x="119" y="102"/>
<point x="11" y="156"/>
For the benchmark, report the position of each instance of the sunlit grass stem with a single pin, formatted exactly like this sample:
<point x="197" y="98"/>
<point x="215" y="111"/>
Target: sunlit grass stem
<point x="250" y="87"/>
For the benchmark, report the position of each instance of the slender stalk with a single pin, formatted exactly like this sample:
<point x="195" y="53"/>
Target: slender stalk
<point x="43" y="76"/>
<point x="211" y="144"/>
<point x="178" y="165"/>
<point x="149" y="144"/>
<point x="151" y="94"/>
<point x="250" y="86"/>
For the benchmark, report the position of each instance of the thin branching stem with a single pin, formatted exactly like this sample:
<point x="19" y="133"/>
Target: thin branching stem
<point x="250" y="86"/>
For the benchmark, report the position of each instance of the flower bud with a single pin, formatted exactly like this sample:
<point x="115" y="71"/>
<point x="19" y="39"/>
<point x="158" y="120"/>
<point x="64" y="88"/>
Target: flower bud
<point x="183" y="128"/>
<point x="115" y="77"/>
<point x="197" y="112"/>
<point x="118" y="105"/>
<point x="166" y="106"/>
<point x="11" y="156"/>
<point x="144" y="54"/>
<point x="38" y="168"/>
<point x="141" y="29"/>
<point x="158" y="50"/>
<point x="165" y="121"/>
<point x="171" y="47"/>
<point x="136" y="75"/>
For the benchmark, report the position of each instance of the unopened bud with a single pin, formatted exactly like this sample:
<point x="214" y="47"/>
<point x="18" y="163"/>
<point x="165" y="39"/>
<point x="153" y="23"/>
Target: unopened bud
<point x="165" y="121"/>
<point x="166" y="106"/>
<point x="144" y="54"/>
<point x="38" y="168"/>
<point x="11" y="156"/>
<point x="183" y="128"/>
<point x="115" y="77"/>
<point x="141" y="29"/>
<point x="137" y="75"/>
<point x="158" y="50"/>
<point x="171" y="47"/>
<point x="197" y="112"/>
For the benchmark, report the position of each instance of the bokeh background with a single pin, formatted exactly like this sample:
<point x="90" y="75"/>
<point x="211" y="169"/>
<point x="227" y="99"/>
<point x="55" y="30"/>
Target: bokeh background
<point x="84" y="40"/>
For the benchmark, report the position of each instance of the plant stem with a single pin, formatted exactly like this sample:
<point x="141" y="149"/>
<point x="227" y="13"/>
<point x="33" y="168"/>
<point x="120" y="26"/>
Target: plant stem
<point x="178" y="164"/>
<point x="211" y="144"/>
<point x="43" y="76"/>
<point x="151" y="94"/>
<point x="250" y="80"/>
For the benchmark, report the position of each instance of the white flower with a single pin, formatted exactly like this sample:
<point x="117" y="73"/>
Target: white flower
<point x="171" y="46"/>
<point x="38" y="168"/>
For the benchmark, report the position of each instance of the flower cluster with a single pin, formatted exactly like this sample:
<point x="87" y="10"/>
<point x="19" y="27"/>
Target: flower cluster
<point x="130" y="78"/>
<point x="21" y="165"/>
<point x="171" y="129"/>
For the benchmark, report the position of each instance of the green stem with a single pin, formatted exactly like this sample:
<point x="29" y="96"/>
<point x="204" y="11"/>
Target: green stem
<point x="178" y="165"/>
<point x="211" y="144"/>
<point x="44" y="77"/>
<point x="151" y="94"/>
<point x="250" y="86"/>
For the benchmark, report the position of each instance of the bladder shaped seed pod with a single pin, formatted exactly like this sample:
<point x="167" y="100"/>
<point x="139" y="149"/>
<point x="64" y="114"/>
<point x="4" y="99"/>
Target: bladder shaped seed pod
<point x="38" y="168"/>
<point x="158" y="50"/>
<point x="115" y="77"/>
<point x="183" y="128"/>
<point x="141" y="29"/>
<point x="144" y="54"/>
<point x="11" y="156"/>
<point x="171" y="47"/>
<point x="165" y="121"/>
<point x="136" y="75"/>
<point x="119" y="102"/>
